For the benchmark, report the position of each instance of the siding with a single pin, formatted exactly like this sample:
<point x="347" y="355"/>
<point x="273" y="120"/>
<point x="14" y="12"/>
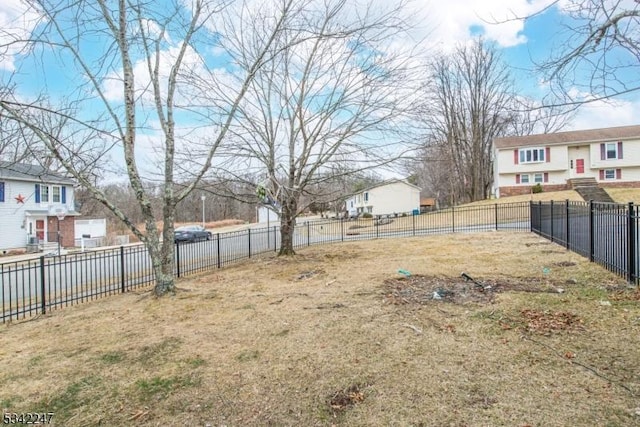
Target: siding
<point x="12" y="214"/>
<point x="13" y="222"/>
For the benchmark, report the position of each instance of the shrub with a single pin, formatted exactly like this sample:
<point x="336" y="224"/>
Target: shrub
<point x="537" y="188"/>
<point x="367" y="215"/>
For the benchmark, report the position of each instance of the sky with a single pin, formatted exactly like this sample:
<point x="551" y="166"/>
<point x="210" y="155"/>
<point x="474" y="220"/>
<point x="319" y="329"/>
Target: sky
<point x="444" y="25"/>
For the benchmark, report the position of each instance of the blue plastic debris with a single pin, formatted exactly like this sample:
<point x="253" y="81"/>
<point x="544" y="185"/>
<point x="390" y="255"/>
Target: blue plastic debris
<point x="404" y="272"/>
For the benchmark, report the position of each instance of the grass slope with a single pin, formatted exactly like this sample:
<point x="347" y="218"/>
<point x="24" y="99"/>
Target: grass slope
<point x="336" y="336"/>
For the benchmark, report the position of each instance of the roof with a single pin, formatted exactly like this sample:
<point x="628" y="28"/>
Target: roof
<point x="31" y="173"/>
<point x="427" y="201"/>
<point x="571" y="137"/>
<point x="390" y="181"/>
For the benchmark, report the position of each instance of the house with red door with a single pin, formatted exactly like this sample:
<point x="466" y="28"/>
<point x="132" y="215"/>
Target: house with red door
<point x="608" y="157"/>
<point x="36" y="207"/>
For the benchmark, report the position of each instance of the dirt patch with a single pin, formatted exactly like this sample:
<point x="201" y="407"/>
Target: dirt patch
<point x="542" y="243"/>
<point x="419" y="289"/>
<point x="564" y="264"/>
<point x="626" y="295"/>
<point x="547" y="322"/>
<point x="309" y="274"/>
<point x="342" y="400"/>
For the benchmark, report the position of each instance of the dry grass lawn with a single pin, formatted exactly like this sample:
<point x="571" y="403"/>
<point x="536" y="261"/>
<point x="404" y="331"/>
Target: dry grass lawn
<point x="624" y="195"/>
<point x="337" y="336"/>
<point x="571" y="195"/>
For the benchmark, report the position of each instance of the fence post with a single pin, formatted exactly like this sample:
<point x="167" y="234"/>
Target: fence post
<point x="552" y="220"/>
<point x="342" y="229"/>
<point x="592" y="244"/>
<point x="308" y="234"/>
<point x="540" y="217"/>
<point x="178" y="259"/>
<point x="631" y="246"/>
<point x="377" y="224"/>
<point x="275" y="239"/>
<point x="567" y="224"/>
<point x="249" y="238"/>
<point x="496" y="214"/>
<point x="43" y="294"/>
<point x="122" y="277"/>
<point x="453" y="219"/>
<point x="414" y="224"/>
<point x="218" y="248"/>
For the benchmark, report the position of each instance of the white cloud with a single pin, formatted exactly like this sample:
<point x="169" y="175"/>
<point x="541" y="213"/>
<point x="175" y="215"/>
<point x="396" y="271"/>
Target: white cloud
<point x="453" y="20"/>
<point x="17" y="21"/>
<point x="191" y="63"/>
<point x="602" y="114"/>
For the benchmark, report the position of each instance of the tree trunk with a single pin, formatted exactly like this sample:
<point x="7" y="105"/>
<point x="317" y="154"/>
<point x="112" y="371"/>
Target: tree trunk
<point x="162" y="262"/>
<point x="287" y="227"/>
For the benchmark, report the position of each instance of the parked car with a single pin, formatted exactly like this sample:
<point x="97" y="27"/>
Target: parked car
<point x="191" y="233"/>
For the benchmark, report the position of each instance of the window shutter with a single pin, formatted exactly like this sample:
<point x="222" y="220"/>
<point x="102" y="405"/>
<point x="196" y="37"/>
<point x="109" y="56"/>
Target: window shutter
<point x="517" y="178"/>
<point x="603" y="152"/>
<point x="63" y="195"/>
<point x="619" y="149"/>
<point x="601" y="175"/>
<point x="547" y="154"/>
<point x="515" y="157"/>
<point x="546" y="177"/>
<point x="37" y="193"/>
<point x="1" y="191"/>
<point x="618" y="173"/>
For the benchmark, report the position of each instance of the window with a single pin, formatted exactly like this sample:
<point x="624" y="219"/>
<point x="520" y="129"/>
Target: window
<point x="609" y="173"/>
<point x="611" y="151"/>
<point x="524" y="179"/>
<point x="1" y="191"/>
<point x="532" y="155"/>
<point x="55" y="192"/>
<point x="44" y="194"/>
<point x="366" y="197"/>
<point x="538" y="178"/>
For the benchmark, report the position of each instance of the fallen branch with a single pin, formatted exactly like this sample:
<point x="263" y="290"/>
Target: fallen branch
<point x="418" y="331"/>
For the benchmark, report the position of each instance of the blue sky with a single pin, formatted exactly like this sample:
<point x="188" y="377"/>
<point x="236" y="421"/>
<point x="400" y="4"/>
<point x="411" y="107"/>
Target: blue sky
<point x="444" y="25"/>
<point x="522" y="43"/>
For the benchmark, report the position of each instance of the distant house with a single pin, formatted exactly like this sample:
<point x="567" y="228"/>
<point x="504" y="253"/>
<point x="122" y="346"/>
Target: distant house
<point x="267" y="215"/>
<point x="387" y="198"/>
<point x="608" y="157"/>
<point x="31" y="200"/>
<point x="427" y="204"/>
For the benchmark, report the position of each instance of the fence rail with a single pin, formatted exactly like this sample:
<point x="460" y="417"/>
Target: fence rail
<point x="39" y="285"/>
<point x="606" y="233"/>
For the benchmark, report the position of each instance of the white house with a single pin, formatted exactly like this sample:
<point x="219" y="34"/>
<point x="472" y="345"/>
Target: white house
<point x="608" y="157"/>
<point x="387" y="198"/>
<point x="32" y="200"/>
<point x="267" y="215"/>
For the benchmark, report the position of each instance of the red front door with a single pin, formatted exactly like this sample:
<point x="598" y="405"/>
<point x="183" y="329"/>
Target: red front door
<point x="40" y="229"/>
<point x="579" y="165"/>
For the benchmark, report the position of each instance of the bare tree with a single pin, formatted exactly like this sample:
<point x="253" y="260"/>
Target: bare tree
<point x="599" y="55"/>
<point x="472" y="96"/>
<point x="140" y="83"/>
<point x="335" y="96"/>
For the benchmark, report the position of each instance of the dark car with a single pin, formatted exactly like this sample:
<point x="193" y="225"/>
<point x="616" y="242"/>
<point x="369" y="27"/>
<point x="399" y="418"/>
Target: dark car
<point x="191" y="233"/>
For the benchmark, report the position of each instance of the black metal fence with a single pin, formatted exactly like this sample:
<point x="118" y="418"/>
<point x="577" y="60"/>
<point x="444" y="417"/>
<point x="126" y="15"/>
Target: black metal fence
<point x="35" y="286"/>
<point x="606" y="233"/>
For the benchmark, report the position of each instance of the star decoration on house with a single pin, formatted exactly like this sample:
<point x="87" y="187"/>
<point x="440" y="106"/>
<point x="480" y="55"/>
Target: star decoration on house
<point x="19" y="199"/>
